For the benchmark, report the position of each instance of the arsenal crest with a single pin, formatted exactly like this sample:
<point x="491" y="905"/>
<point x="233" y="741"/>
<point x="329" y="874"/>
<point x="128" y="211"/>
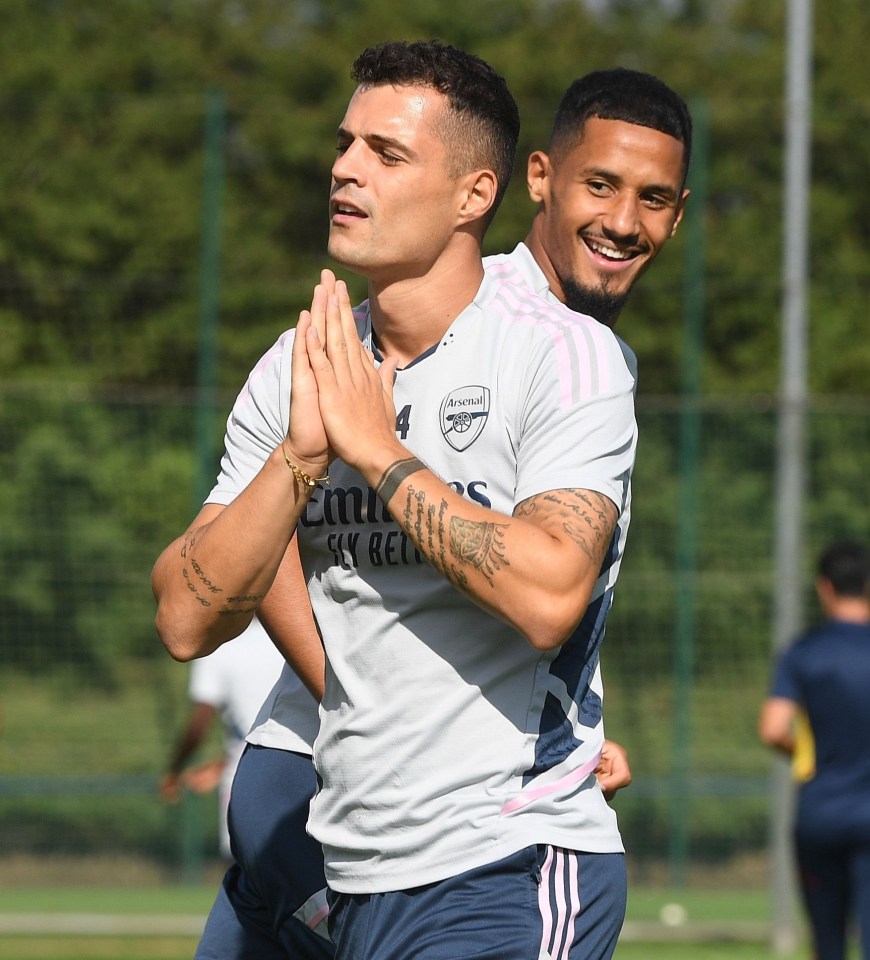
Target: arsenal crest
<point x="463" y="415"/>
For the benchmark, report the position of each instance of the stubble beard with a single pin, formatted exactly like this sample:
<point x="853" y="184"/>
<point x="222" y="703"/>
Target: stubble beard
<point x="601" y="304"/>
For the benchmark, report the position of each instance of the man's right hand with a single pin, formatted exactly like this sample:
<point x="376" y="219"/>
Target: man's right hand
<point x="306" y="444"/>
<point x="613" y="771"/>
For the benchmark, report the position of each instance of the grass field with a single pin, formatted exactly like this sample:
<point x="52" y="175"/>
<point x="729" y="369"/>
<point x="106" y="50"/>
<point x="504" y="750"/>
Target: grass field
<point x="96" y="948"/>
<point x="58" y="918"/>
<point x="166" y="948"/>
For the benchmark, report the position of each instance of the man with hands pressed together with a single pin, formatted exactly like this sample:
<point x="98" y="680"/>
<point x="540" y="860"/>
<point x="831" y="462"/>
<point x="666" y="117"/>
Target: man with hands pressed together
<point x="461" y="559"/>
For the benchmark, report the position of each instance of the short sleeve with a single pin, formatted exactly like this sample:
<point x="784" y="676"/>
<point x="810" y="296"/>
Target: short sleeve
<point x="207" y="683"/>
<point x="257" y="422"/>
<point x="786" y="678"/>
<point x="579" y="428"/>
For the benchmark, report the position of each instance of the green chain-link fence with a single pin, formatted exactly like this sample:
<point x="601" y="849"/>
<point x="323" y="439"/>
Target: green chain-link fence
<point x="93" y="486"/>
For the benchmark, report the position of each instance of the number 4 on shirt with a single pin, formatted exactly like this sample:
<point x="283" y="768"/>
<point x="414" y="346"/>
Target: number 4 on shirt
<point x="403" y="422"/>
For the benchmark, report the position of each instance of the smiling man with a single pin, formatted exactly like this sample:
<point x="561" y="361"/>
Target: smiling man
<point x="611" y="189"/>
<point x="410" y="202"/>
<point x="461" y="722"/>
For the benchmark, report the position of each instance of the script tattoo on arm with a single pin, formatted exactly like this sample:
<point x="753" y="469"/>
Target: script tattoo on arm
<point x="455" y="543"/>
<point x="586" y="517"/>
<point x="448" y="544"/>
<point x="205" y="590"/>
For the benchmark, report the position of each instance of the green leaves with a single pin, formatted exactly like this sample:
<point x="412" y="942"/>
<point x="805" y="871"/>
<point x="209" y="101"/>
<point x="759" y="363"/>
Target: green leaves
<point x="101" y="174"/>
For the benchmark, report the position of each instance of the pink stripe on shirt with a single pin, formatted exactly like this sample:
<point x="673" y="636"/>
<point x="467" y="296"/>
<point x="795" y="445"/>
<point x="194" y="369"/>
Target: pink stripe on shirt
<point x="571" y="779"/>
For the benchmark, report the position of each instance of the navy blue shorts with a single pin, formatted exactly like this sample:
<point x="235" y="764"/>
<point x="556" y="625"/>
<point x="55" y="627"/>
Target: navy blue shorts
<point x="272" y="903"/>
<point x="539" y="903"/>
<point x="835" y="883"/>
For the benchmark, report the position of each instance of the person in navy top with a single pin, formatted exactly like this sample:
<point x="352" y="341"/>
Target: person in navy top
<point x="825" y="674"/>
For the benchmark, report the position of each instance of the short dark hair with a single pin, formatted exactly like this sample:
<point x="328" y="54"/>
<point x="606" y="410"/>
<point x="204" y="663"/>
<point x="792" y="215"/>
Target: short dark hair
<point x="483" y="124"/>
<point x="622" y="94"/>
<point x="846" y="565"/>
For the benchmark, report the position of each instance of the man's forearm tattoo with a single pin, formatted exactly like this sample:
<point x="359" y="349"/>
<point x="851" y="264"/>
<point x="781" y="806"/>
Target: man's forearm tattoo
<point x="420" y="499"/>
<point x="478" y="544"/>
<point x="454" y="543"/>
<point x="205" y="590"/>
<point x="395" y="474"/>
<point x="586" y="517"/>
<point x="196" y="581"/>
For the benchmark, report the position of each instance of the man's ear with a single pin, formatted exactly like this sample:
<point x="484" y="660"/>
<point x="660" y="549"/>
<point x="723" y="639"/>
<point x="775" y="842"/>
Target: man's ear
<point x="481" y="189"/>
<point x="538" y="176"/>
<point x="826" y="594"/>
<point x="680" y="210"/>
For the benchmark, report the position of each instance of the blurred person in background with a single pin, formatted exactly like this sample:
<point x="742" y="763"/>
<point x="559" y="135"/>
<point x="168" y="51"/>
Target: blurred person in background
<point x="229" y="685"/>
<point x="823" y="679"/>
<point x="610" y="191"/>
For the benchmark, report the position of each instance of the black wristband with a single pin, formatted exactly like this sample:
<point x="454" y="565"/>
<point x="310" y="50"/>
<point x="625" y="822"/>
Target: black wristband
<point x="395" y="474"/>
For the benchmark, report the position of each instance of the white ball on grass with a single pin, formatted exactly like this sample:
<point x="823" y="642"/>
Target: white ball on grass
<point x="673" y="915"/>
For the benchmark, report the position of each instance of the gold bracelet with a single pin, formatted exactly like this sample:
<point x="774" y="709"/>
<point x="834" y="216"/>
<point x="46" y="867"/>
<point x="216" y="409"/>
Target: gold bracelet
<point x="305" y="479"/>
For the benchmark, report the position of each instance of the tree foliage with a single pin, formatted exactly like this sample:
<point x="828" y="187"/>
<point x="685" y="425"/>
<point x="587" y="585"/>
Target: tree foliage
<point x="102" y="113"/>
<point x="102" y="204"/>
<point x="101" y="201"/>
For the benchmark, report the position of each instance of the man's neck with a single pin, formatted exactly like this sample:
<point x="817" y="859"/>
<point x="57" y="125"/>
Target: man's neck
<point x="410" y="315"/>
<point x="850" y="610"/>
<point x="538" y="251"/>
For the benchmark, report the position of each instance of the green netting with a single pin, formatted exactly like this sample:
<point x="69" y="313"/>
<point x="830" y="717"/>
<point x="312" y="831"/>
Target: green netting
<point x="92" y="488"/>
